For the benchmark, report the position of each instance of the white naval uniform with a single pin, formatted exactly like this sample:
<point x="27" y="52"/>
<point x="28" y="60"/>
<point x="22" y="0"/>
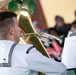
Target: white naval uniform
<point x="31" y="63"/>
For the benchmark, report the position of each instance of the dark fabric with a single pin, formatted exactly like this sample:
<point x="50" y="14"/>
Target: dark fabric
<point x="63" y="30"/>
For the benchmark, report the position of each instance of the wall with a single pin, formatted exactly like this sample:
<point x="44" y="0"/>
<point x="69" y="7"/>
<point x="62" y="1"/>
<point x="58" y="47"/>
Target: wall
<point x="64" y="8"/>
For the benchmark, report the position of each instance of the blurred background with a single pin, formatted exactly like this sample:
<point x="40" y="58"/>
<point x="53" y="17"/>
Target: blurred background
<point x="47" y="10"/>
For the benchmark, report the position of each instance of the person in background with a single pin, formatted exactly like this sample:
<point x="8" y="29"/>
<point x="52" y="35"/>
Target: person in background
<point x="54" y="48"/>
<point x="21" y="59"/>
<point x="37" y="27"/>
<point x="61" y="27"/>
<point x="72" y="31"/>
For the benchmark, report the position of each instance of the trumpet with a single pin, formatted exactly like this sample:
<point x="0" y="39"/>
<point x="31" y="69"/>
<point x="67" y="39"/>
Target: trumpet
<point x="52" y="37"/>
<point x="43" y="36"/>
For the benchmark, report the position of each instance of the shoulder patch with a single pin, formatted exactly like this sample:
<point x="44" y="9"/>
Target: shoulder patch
<point x="28" y="50"/>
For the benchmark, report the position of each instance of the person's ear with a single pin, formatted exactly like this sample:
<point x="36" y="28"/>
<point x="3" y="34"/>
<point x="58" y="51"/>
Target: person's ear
<point x="11" y="30"/>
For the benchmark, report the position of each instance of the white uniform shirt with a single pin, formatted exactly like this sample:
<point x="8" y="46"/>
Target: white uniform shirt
<point x="27" y="64"/>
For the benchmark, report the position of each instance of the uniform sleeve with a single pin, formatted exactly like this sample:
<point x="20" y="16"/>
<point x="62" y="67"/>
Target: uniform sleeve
<point x="37" y="62"/>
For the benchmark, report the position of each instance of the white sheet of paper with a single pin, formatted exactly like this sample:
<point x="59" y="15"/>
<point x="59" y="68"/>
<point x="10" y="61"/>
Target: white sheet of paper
<point x="69" y="52"/>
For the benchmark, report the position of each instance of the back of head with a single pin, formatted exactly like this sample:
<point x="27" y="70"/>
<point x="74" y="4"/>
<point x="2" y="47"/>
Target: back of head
<point x="58" y="18"/>
<point x="59" y="21"/>
<point x="6" y="20"/>
<point x="52" y="31"/>
<point x="73" y="27"/>
<point x="74" y="22"/>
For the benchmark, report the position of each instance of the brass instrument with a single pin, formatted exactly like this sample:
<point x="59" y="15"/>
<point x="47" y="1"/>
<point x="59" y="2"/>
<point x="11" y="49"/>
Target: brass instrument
<point x="26" y="25"/>
<point x="52" y="37"/>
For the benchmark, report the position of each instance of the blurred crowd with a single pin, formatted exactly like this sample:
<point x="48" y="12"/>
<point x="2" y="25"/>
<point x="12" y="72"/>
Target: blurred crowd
<point x="60" y="31"/>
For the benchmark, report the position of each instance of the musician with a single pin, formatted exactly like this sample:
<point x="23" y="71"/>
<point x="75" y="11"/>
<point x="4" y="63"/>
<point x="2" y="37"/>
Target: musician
<point x="16" y="59"/>
<point x="55" y="48"/>
<point x="72" y="31"/>
<point x="61" y="27"/>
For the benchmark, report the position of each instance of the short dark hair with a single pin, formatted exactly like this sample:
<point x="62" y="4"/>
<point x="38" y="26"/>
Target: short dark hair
<point x="58" y="18"/>
<point x="51" y="29"/>
<point x="6" y="20"/>
<point x="5" y="15"/>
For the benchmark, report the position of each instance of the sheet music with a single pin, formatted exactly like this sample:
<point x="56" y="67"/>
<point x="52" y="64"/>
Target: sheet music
<point x="69" y="52"/>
